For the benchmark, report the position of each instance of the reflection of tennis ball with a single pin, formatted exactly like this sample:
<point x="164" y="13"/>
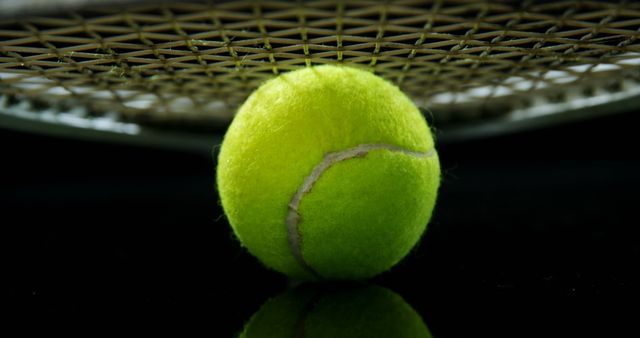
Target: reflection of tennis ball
<point x="368" y="311"/>
<point x="328" y="172"/>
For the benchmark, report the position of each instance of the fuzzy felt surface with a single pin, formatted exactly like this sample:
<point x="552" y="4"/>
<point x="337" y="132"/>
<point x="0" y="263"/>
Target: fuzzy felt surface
<point x="365" y="214"/>
<point x="285" y="128"/>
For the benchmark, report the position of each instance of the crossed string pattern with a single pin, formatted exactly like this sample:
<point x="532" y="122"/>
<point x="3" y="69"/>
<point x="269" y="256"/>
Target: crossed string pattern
<point x="191" y="64"/>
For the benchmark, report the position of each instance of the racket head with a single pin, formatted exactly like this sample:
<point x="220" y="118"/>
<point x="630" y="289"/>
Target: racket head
<point x="172" y="73"/>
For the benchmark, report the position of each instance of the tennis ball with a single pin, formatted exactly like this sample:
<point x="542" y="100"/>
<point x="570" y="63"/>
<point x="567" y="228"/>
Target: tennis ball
<point x="328" y="172"/>
<point x="365" y="311"/>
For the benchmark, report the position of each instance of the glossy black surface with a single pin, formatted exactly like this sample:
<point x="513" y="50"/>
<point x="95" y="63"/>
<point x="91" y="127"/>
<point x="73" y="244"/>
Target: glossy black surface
<point x="535" y="234"/>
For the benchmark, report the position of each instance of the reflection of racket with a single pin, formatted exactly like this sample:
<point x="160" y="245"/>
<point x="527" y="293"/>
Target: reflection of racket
<point x="172" y="72"/>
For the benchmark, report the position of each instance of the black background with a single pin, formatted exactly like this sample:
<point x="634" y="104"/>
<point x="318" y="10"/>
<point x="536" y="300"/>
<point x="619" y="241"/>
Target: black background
<point x="534" y="234"/>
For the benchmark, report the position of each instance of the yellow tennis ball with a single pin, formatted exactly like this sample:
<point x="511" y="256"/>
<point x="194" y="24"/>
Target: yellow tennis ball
<point x="349" y="312"/>
<point x="328" y="172"/>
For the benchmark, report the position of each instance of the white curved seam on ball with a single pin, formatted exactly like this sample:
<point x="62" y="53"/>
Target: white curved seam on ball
<point x="293" y="217"/>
